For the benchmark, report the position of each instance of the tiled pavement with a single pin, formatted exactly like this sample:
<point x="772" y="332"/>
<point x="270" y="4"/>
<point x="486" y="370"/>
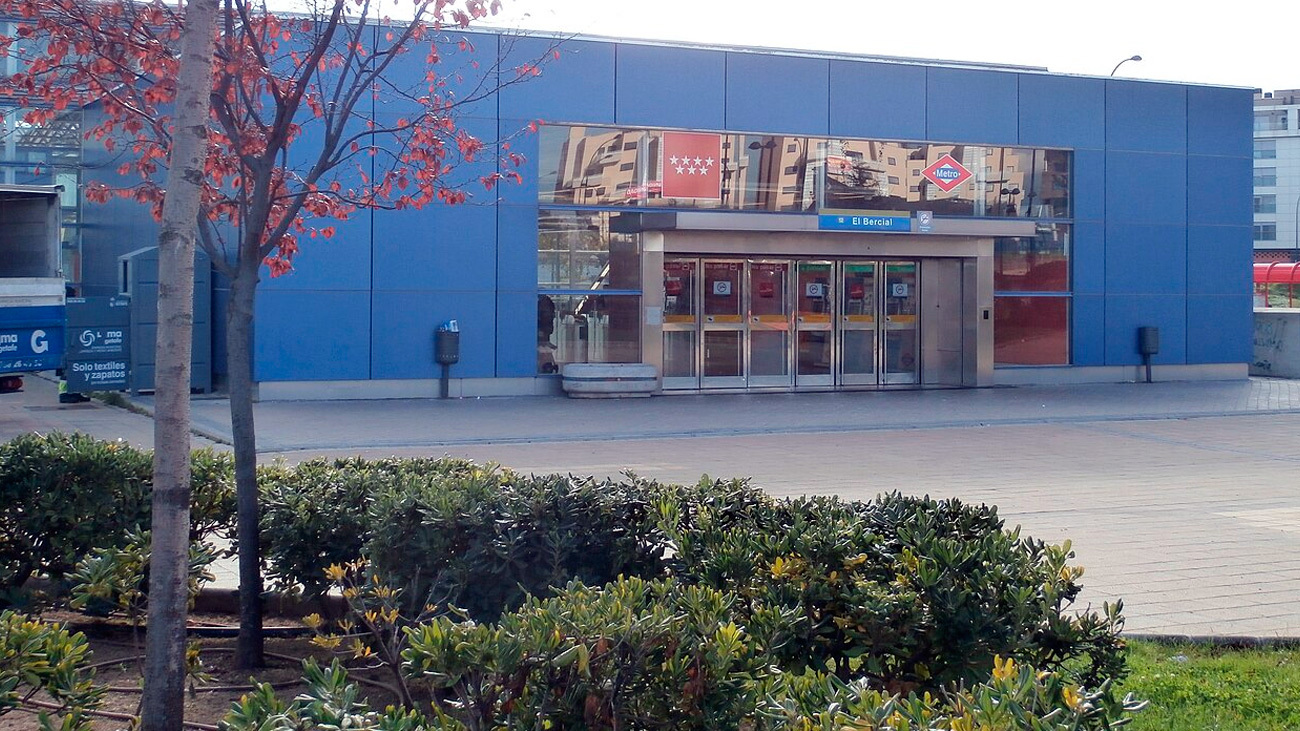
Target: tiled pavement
<point x="1181" y="498"/>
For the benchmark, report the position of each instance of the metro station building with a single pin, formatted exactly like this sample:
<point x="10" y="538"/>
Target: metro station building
<point x="761" y="220"/>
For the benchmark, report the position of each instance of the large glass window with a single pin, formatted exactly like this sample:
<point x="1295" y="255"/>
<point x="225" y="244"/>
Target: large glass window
<point x="779" y="173"/>
<point x="1039" y="263"/>
<point x="1265" y="149"/>
<point x="576" y="250"/>
<point x="1266" y="204"/>
<point x="1266" y="232"/>
<point x="1265" y="177"/>
<point x="1031" y="331"/>
<point x="589" y="309"/>
<point x="587" y="328"/>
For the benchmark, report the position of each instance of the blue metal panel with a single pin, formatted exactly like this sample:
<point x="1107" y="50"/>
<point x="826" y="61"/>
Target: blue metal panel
<point x="1219" y="260"/>
<point x="1146" y="117"/>
<point x="523" y="142"/>
<point x="877" y="100"/>
<point x="312" y="336"/>
<point x="517" y="248"/>
<point x="962" y="105"/>
<point x="1088" y="258"/>
<point x="1062" y="111"/>
<point x="1144" y="259"/>
<point x="341" y="262"/>
<point x="440" y="247"/>
<point x="1088" y="344"/>
<point x="1219" y="190"/>
<point x="465" y="174"/>
<point x="1220" y="329"/>
<point x="782" y="94"/>
<point x="576" y="87"/>
<point x="460" y="81"/>
<point x="1146" y="188"/>
<point x="1089" y="186"/>
<point x="1126" y="313"/>
<point x="670" y="87"/>
<point x="516" y="334"/>
<point x="404" y="323"/>
<point x="1219" y="121"/>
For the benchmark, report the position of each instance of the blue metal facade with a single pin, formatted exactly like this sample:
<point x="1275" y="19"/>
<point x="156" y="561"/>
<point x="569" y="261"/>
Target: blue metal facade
<point x="1161" y="198"/>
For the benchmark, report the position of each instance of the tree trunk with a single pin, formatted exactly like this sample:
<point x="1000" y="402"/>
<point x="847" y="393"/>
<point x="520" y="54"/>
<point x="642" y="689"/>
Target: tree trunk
<point x="163" y="703"/>
<point x="239" y="359"/>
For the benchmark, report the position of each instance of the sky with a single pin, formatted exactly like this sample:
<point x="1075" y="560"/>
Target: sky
<point x="1248" y="43"/>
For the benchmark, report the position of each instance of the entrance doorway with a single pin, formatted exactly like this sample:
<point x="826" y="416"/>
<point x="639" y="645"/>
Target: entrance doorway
<point x="734" y="323"/>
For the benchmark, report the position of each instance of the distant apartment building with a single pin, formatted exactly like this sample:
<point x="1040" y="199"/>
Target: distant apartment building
<point x="1277" y="176"/>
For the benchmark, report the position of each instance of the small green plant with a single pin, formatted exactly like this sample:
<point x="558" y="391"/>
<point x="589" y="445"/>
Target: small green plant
<point x="116" y="579"/>
<point x="41" y="658"/>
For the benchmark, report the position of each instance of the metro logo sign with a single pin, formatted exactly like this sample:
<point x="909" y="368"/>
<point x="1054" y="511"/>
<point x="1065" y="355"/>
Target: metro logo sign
<point x="946" y="173"/>
<point x="691" y="165"/>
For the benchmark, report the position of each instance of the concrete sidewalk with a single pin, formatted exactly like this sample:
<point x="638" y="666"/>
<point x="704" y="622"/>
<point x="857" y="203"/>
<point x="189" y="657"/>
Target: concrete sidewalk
<point x="287" y="426"/>
<point x="1180" y="498"/>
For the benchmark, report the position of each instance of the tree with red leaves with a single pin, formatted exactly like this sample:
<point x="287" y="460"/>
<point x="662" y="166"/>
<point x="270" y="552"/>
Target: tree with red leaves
<point x="297" y="140"/>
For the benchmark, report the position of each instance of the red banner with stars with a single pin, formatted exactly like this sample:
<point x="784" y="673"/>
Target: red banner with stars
<point x="691" y="165"/>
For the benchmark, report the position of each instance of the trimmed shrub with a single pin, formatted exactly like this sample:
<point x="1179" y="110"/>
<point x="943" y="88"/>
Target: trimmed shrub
<point x="63" y="495"/>
<point x="911" y="592"/>
<point x="484" y="544"/>
<point x="655" y="656"/>
<point x="317" y="514"/>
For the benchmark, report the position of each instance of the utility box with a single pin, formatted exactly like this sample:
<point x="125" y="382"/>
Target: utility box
<point x="138" y="278"/>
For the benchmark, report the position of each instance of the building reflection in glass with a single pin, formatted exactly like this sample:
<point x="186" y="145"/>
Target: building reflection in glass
<point x="780" y="173"/>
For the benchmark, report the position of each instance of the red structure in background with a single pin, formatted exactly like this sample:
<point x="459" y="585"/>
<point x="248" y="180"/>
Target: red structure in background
<point x="1275" y="283"/>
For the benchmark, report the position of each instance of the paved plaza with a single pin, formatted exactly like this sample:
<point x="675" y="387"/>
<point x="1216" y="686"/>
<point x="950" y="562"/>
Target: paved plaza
<point x="1181" y="498"/>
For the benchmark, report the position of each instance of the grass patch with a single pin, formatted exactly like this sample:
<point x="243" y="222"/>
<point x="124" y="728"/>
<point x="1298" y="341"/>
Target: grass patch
<point x="1199" y="688"/>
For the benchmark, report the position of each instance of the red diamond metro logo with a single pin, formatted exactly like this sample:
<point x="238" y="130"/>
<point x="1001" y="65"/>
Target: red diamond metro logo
<point x="947" y="173"/>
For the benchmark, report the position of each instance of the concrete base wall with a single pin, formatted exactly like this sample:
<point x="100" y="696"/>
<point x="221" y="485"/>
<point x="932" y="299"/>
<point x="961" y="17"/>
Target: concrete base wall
<point x="550" y="386"/>
<point x="1065" y="375"/>
<point x="410" y="388"/>
<point x="1277" y="343"/>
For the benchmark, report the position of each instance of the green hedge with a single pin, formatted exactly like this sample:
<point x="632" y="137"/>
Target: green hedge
<point x="660" y="656"/>
<point x="63" y="495"/>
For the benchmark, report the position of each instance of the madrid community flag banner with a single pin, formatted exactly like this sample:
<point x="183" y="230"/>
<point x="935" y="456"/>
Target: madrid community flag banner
<point x="691" y="165"/>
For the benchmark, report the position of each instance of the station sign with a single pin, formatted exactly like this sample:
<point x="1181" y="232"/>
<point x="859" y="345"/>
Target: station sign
<point x="888" y="221"/>
<point x="947" y="173"/>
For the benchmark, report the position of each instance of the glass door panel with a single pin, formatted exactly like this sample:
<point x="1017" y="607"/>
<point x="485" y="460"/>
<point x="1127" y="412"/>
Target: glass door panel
<point x="858" y="321"/>
<point x="769" y="323"/>
<point x="681" y="324"/>
<point x="900" y="322"/>
<point x="723" y="326"/>
<point x="814" y="323"/>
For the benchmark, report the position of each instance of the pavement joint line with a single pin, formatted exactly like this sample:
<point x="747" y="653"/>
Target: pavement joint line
<point x="798" y="430"/>
<point x="1185" y="443"/>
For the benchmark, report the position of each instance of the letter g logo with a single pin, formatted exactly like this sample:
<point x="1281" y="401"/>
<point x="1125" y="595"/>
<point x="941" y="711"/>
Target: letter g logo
<point x="39" y="343"/>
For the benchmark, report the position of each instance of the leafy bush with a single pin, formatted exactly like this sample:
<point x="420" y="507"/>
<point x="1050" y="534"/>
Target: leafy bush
<point x="318" y="513"/>
<point x="656" y="656"/>
<point x="40" y="657"/>
<point x="912" y="592"/>
<point x="62" y="495"/>
<point x="485" y="544"/>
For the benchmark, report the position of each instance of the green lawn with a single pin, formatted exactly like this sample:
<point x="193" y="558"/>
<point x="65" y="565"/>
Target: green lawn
<point x="1214" y="689"/>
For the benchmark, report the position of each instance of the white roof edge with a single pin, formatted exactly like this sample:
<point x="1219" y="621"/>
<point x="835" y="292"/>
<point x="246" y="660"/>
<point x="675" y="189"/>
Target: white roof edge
<point x="834" y="55"/>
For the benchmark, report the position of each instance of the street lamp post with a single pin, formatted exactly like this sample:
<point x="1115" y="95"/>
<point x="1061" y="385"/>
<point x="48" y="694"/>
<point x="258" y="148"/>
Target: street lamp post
<point x="1134" y="57"/>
